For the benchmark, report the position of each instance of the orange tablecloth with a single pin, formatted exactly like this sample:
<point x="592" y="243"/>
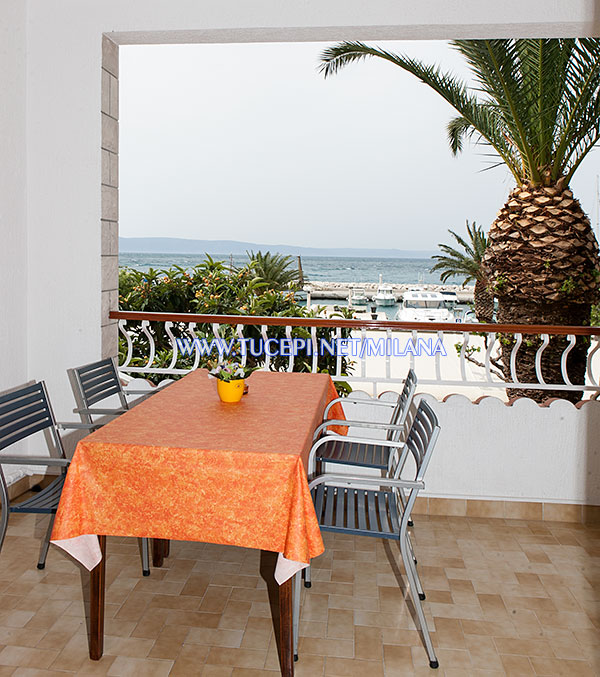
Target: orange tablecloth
<point x="183" y="465"/>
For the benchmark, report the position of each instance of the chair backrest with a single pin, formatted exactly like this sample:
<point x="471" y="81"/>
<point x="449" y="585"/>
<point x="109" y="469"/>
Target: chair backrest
<point x="420" y="441"/>
<point x="95" y="382"/>
<point x="400" y="412"/>
<point x="25" y="411"/>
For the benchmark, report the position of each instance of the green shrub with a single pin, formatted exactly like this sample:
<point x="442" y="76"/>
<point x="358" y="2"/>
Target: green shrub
<point x="212" y="288"/>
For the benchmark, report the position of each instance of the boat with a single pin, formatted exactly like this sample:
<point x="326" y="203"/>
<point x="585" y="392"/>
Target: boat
<point x="426" y="306"/>
<point x="358" y="297"/>
<point x="385" y="294"/>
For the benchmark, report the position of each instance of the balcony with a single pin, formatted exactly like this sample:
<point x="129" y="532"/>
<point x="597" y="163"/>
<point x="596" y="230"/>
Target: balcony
<point x="510" y="568"/>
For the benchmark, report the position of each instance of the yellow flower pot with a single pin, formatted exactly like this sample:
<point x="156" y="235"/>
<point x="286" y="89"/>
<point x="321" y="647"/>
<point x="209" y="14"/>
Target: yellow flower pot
<point x="230" y="391"/>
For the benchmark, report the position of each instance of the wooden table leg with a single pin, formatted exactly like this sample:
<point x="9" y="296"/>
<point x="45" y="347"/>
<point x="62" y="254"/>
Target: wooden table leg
<point x="286" y="645"/>
<point x="160" y="550"/>
<point x="97" y="581"/>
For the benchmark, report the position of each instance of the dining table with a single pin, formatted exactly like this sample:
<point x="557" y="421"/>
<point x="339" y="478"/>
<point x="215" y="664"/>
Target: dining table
<point x="182" y="465"/>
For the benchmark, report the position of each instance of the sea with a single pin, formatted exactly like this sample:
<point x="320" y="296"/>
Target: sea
<point x="360" y="270"/>
<point x="316" y="268"/>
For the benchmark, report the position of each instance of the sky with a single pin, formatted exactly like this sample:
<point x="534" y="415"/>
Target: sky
<point x="249" y="142"/>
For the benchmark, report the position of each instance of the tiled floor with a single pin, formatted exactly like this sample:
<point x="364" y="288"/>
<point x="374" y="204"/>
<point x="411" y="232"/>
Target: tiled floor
<point x="504" y="597"/>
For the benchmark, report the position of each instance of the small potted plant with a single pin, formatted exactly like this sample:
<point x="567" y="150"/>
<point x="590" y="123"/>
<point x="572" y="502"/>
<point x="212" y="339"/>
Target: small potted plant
<point x="230" y="376"/>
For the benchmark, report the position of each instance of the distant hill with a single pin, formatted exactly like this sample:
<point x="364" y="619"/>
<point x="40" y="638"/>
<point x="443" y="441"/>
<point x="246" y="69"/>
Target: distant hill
<point x="174" y="245"/>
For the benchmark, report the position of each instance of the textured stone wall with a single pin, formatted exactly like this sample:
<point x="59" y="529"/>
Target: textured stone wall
<point x="110" y="194"/>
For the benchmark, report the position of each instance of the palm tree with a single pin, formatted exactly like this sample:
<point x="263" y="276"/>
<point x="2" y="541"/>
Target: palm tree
<point x="274" y="269"/>
<point x="468" y="265"/>
<point x="536" y="103"/>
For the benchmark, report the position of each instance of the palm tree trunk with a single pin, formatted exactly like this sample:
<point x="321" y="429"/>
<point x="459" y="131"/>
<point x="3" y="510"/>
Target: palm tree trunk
<point x="576" y="314"/>
<point x="542" y="262"/>
<point x="484" y="302"/>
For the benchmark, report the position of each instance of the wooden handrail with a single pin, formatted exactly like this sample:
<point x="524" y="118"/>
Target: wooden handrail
<point x="451" y="327"/>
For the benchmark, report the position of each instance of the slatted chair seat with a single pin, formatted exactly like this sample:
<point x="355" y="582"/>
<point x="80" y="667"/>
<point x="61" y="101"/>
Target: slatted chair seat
<point x="336" y="450"/>
<point x="45" y="501"/>
<point x="333" y="448"/>
<point x="346" y="510"/>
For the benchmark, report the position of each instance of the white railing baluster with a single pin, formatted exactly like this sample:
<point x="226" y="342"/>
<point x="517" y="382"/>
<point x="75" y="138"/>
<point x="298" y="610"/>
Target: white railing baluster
<point x="565" y="355"/>
<point x="123" y="330"/>
<point x="265" y="338"/>
<point x="463" y="353"/>
<point x="288" y="335"/>
<point x="338" y="357"/>
<point x="363" y="347"/>
<point x="438" y="369"/>
<point x="192" y="332"/>
<point x="388" y="344"/>
<point x="513" y="357"/>
<point x="414" y="337"/>
<point x="488" y="356"/>
<point x="315" y="349"/>
<point x="174" y="348"/>
<point x="538" y="357"/>
<point x="217" y="334"/>
<point x="145" y="325"/>
<point x="243" y="350"/>
<point x="591" y="354"/>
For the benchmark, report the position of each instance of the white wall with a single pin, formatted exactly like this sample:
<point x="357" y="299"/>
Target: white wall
<point x="50" y="175"/>
<point x="493" y="450"/>
<point x="520" y="451"/>
<point x="13" y="221"/>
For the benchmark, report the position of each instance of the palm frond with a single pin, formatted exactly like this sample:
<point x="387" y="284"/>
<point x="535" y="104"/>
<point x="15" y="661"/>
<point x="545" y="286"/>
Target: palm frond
<point x="481" y="115"/>
<point x="466" y="263"/>
<point x="536" y="102"/>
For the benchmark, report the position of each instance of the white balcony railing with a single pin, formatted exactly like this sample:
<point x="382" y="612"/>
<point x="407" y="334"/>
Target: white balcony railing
<point x="471" y="360"/>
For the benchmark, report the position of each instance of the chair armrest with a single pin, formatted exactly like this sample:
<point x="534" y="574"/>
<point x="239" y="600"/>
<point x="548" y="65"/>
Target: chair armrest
<point x="356" y="424"/>
<point x="376" y="481"/>
<point x="66" y="425"/>
<point x="100" y="412"/>
<point x="33" y="460"/>
<point x="377" y="403"/>
<point x="344" y="439"/>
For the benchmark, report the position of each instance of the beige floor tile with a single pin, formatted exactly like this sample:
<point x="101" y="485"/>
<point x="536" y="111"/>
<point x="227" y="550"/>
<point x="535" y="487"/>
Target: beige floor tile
<point x="27" y="657"/>
<point x="134" y="667"/>
<point x="554" y="667"/>
<point x="340" y="624"/>
<point x="517" y="665"/>
<point x="351" y="667"/>
<point x="215" y="671"/>
<point x="241" y="658"/>
<point x="504" y="597"/>
<point x="338" y="648"/>
<point x="397" y="659"/>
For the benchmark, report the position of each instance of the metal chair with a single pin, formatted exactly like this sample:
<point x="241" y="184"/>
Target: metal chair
<point x="332" y="448"/>
<point x="25" y="411"/>
<point x="343" y="505"/>
<point x="93" y="383"/>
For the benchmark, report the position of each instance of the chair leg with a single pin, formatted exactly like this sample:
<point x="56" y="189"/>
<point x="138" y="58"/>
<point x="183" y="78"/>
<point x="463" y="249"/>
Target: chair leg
<point x="296" y="611"/>
<point x="3" y="526"/>
<point x="307" y="582"/>
<point x="145" y="556"/>
<point x="412" y="576"/>
<point x="46" y="543"/>
<point x="414" y="566"/>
